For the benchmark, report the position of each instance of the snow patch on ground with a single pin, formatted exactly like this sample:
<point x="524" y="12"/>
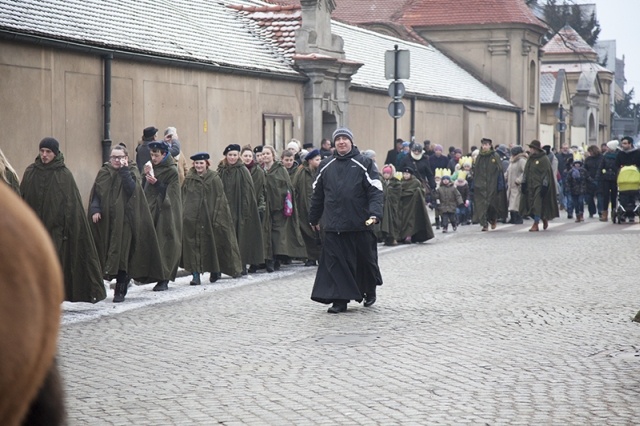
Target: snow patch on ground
<point x="140" y="296"/>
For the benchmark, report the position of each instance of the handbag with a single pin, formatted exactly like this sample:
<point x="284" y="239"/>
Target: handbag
<point x="288" y="204"/>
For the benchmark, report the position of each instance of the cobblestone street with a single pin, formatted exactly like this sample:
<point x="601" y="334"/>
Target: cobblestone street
<point x="499" y="327"/>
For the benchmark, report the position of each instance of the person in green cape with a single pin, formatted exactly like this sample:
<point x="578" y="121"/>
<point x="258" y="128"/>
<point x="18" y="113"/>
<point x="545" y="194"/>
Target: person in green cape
<point x="281" y="214"/>
<point x="50" y="189"/>
<point x="391" y="219"/>
<point x="238" y="187"/>
<point x="121" y="224"/>
<point x="165" y="203"/>
<point x="539" y="196"/>
<point x="415" y="225"/>
<point x="303" y="189"/>
<point x="259" y="178"/>
<point x="209" y="242"/>
<point x="489" y="187"/>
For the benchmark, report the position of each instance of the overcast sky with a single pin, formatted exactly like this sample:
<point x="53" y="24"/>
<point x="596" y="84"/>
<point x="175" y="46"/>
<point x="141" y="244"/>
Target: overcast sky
<point x="619" y="21"/>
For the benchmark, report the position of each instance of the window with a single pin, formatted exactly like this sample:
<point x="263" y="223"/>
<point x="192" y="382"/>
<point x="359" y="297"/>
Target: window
<point x="532" y="86"/>
<point x="277" y="130"/>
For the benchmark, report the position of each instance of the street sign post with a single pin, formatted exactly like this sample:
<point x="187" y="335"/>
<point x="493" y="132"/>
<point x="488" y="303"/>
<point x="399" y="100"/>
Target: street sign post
<point x="396" y="67"/>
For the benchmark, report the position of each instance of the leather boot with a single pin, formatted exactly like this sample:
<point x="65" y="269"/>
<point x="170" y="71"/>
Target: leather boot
<point x="161" y="286"/>
<point x="534" y="227"/>
<point x="196" y="279"/>
<point x="118" y="295"/>
<point x="545" y="223"/>
<point x="605" y="216"/>
<point x="270" y="265"/>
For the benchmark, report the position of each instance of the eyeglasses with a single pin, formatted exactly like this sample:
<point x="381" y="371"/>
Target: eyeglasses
<point x="118" y="157"/>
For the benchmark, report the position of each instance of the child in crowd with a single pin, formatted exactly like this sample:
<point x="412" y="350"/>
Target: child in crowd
<point x="576" y="186"/>
<point x="448" y="199"/>
<point x="462" y="212"/>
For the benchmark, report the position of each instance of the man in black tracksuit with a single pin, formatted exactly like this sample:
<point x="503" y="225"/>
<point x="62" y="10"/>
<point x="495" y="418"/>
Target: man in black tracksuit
<point x="346" y="202"/>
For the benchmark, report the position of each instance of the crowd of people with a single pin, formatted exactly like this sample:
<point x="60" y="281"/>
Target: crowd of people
<point x="328" y="207"/>
<point x="508" y="184"/>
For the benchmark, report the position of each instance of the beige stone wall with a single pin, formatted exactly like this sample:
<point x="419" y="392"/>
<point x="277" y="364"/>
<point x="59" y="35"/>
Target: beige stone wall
<point x="501" y="58"/>
<point x="47" y="92"/>
<point x="447" y="124"/>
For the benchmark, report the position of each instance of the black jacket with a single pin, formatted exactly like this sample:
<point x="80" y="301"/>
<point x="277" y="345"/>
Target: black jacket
<point x="422" y="168"/>
<point x="628" y="158"/>
<point x="346" y="192"/>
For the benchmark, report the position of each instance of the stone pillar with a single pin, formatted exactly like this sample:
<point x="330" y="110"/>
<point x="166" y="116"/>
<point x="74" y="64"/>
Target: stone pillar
<point x="320" y="55"/>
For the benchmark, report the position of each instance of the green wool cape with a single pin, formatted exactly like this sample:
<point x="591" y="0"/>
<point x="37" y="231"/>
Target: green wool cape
<point x="391" y="217"/>
<point x="209" y="242"/>
<point x="259" y="178"/>
<point x="238" y="187"/>
<point x="487" y="199"/>
<point x="415" y="222"/>
<point x="283" y="232"/>
<point x="538" y="173"/>
<point x="52" y="193"/>
<point x="125" y="236"/>
<point x="303" y="189"/>
<point x="165" y="205"/>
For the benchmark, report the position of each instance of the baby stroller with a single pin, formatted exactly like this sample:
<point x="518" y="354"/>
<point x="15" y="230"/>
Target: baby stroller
<point x="628" y="192"/>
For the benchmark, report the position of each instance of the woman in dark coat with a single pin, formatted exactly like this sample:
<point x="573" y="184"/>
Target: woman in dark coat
<point x="240" y="192"/>
<point x="593" y="195"/>
<point x="303" y="189"/>
<point x="281" y="214"/>
<point x="607" y="181"/>
<point x="122" y="225"/>
<point x="539" y="196"/>
<point x="51" y="191"/>
<point x="209" y="241"/>
<point x="415" y="222"/>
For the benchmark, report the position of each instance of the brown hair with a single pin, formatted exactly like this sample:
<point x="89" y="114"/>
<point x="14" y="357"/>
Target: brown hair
<point x="594" y="150"/>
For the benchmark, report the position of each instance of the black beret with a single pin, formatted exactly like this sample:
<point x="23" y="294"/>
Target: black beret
<point x="159" y="145"/>
<point x="200" y="156"/>
<point x="231" y="147"/>
<point x="307" y="145"/>
<point x="257" y="149"/>
<point x="408" y="170"/>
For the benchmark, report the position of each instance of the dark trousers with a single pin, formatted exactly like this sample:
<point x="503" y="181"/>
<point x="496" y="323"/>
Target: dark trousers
<point x="594" y="201"/>
<point x="449" y="217"/>
<point x="609" y="190"/>
<point x="577" y="200"/>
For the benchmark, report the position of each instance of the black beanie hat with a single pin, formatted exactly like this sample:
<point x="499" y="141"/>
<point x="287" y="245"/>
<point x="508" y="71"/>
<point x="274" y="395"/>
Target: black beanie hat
<point x="50" y="143"/>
